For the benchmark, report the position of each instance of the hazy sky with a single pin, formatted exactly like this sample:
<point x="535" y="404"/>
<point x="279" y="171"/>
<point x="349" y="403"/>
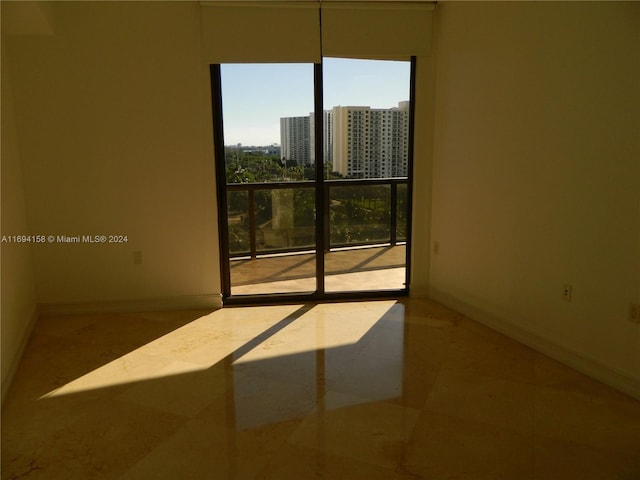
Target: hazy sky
<point x="255" y="96"/>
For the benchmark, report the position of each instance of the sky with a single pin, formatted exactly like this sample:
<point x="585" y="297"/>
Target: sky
<point x="256" y="96"/>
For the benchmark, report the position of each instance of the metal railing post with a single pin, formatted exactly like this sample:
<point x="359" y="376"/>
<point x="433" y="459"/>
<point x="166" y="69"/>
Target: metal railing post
<point x="327" y="219"/>
<point x="252" y="223"/>
<point x="393" y="227"/>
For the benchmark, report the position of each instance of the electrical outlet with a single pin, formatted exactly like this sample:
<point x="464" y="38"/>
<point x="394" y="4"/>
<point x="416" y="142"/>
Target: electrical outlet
<point x="566" y="292"/>
<point x="137" y="257"/>
<point x="634" y="313"/>
<point x="436" y="248"/>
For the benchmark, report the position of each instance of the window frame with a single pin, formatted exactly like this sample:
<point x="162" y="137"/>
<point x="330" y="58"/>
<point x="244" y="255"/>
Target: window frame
<point x="321" y="192"/>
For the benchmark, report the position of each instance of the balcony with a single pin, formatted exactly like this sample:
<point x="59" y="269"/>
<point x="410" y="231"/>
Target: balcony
<point x="272" y="235"/>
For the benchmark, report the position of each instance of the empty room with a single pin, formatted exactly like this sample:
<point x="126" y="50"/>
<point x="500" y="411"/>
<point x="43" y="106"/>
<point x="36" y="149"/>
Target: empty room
<point x="320" y="239"/>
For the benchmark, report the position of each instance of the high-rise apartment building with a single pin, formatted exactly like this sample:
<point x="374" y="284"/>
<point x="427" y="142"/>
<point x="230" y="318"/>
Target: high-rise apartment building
<point x="360" y="142"/>
<point x="327" y="136"/>
<point x="371" y="143"/>
<point x="295" y="139"/>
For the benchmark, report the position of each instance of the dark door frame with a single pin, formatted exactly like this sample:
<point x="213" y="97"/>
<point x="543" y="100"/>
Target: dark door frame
<point x="322" y="213"/>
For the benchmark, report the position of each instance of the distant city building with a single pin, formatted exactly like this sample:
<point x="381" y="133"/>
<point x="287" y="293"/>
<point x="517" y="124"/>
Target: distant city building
<point x="360" y="142"/>
<point x="327" y="136"/>
<point x="295" y="139"/>
<point x="273" y="149"/>
<point x="371" y="143"/>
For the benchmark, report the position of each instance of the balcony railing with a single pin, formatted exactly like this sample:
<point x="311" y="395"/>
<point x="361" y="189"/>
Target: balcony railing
<point x="278" y="217"/>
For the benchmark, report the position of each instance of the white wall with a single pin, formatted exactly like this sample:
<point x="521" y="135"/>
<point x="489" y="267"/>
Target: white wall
<point x="18" y="302"/>
<point x="114" y="125"/>
<point x="537" y="175"/>
<point x="422" y="176"/>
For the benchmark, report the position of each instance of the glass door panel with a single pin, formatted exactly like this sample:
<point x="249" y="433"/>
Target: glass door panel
<point x="366" y="165"/>
<point x="267" y="119"/>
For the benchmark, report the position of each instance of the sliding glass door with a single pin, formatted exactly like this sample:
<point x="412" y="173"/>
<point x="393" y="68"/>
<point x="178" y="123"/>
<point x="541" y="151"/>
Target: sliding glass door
<point x="366" y="103"/>
<point x="270" y="190"/>
<point x="313" y="195"/>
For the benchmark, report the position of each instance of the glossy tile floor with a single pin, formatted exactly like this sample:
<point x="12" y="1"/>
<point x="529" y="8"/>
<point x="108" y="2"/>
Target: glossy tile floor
<point x="368" y="390"/>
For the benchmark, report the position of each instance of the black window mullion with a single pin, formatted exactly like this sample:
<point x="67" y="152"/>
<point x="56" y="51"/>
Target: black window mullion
<point x="412" y="114"/>
<point x="321" y="212"/>
<point x="221" y="177"/>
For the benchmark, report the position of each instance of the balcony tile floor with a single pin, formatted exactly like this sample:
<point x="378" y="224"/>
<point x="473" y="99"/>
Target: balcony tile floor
<point x="364" y="390"/>
<point x="354" y="269"/>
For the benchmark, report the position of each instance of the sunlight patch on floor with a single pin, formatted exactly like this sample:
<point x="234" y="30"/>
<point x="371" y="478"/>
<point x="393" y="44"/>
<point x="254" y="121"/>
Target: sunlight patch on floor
<point x="325" y="326"/>
<point x="212" y="338"/>
<point x="194" y="347"/>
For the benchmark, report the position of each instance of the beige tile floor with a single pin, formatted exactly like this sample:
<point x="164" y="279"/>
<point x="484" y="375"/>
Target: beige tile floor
<point x="364" y="390"/>
<point x="347" y="270"/>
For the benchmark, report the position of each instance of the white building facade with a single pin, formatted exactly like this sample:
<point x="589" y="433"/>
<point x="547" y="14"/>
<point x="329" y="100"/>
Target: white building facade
<point x="359" y="141"/>
<point x="295" y="139"/>
<point x="371" y="143"/>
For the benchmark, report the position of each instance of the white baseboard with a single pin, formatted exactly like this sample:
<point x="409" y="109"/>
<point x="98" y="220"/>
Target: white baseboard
<point x="186" y="302"/>
<point x="15" y="362"/>
<point x="593" y="368"/>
